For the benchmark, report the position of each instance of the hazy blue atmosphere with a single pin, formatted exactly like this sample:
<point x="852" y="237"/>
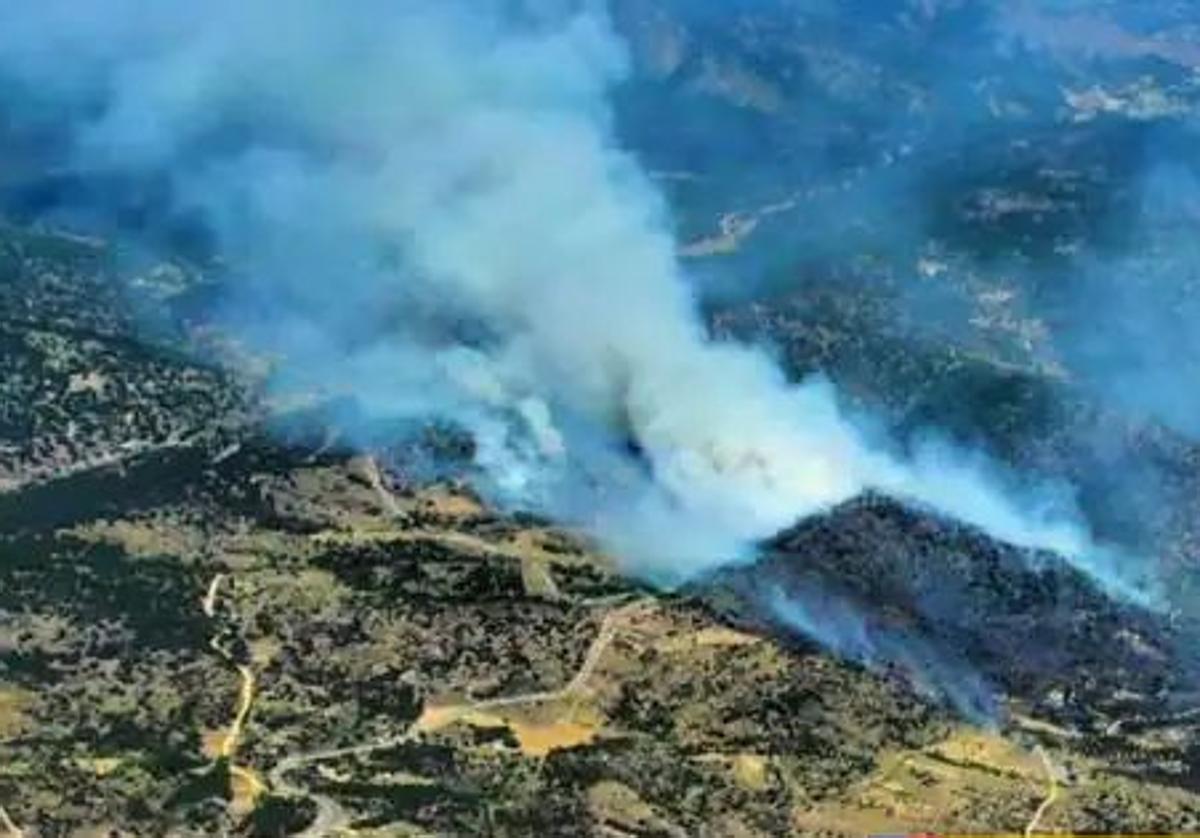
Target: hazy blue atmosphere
<point x="486" y="214"/>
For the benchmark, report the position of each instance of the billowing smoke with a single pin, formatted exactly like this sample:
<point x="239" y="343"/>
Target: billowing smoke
<point x="849" y="632"/>
<point x="428" y="209"/>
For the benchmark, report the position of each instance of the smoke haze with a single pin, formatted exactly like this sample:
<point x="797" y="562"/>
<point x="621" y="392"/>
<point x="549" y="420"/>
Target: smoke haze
<point x="427" y="209"/>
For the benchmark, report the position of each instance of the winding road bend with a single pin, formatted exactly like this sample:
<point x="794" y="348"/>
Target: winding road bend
<point x="332" y="818"/>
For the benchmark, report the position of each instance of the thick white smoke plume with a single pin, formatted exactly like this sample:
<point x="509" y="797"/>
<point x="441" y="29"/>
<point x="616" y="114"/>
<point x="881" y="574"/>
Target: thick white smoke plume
<point x="392" y="176"/>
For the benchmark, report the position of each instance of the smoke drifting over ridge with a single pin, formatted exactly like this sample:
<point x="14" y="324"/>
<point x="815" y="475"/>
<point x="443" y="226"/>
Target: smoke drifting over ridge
<point x="430" y="212"/>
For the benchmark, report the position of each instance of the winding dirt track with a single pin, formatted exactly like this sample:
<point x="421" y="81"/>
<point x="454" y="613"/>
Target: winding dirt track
<point x="209" y="603"/>
<point x="332" y="818"/>
<point x="9" y="825"/>
<point x="246" y="692"/>
<point x="1051" y="793"/>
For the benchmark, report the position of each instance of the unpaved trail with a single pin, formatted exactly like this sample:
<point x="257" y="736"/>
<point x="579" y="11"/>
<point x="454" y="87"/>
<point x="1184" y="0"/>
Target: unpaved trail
<point x="247" y="686"/>
<point x="332" y="818"/>
<point x="466" y="542"/>
<point x="125" y="454"/>
<point x="386" y="499"/>
<point x="608" y="630"/>
<point x="1051" y="793"/>
<point x="533" y="559"/>
<point x="246" y="678"/>
<point x="245" y="702"/>
<point x="1115" y="728"/>
<point x="10" y="827"/>
<point x="209" y="603"/>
